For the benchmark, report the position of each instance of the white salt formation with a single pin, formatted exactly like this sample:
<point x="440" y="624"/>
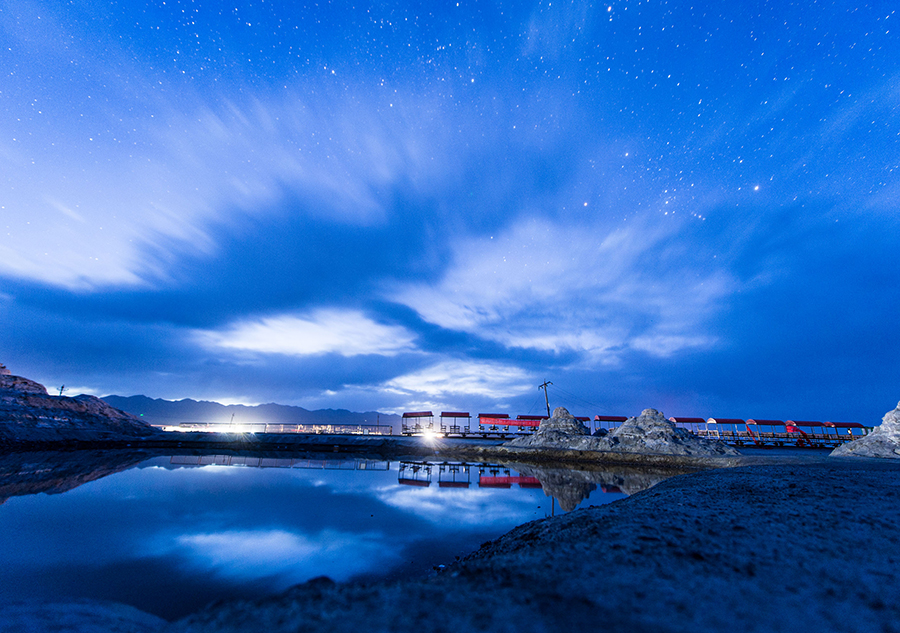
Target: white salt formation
<point x="648" y="433"/>
<point x="883" y="441"/>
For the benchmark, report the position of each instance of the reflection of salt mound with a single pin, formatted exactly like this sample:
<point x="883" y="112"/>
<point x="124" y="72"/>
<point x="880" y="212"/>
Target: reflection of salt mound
<point x="883" y="441"/>
<point x="649" y="433"/>
<point x="570" y="486"/>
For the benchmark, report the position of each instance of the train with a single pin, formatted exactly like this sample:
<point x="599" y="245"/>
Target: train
<point x="737" y="432"/>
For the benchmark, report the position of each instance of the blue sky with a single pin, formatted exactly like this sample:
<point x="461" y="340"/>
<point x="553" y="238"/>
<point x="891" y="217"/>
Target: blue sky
<point x="395" y="206"/>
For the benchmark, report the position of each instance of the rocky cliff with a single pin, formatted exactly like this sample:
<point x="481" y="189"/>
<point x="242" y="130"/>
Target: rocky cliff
<point x="28" y="414"/>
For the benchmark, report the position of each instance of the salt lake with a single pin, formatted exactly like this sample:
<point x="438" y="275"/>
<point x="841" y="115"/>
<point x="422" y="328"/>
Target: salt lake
<point x="170" y="534"/>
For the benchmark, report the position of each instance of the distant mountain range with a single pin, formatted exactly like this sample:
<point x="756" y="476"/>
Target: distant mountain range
<point x="159" y="411"/>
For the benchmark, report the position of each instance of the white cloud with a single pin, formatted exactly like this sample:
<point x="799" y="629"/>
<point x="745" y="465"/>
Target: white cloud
<point x="297" y="557"/>
<point x="463" y="378"/>
<point x="588" y="288"/>
<point x="465" y="506"/>
<point x="348" y="333"/>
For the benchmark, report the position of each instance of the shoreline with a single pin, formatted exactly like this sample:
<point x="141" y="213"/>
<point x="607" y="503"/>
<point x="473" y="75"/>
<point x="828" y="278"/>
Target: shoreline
<point x="794" y="541"/>
<point x="388" y="446"/>
<point x="789" y="547"/>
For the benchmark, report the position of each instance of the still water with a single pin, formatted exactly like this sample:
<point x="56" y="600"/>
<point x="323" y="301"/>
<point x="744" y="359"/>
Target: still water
<point x="169" y="534"/>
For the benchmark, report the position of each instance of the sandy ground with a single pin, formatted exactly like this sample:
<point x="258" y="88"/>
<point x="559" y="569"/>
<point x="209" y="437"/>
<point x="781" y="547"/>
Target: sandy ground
<point x="779" y="547"/>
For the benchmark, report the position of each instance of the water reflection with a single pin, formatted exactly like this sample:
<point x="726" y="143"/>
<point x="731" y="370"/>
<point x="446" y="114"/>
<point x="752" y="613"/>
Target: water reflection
<point x="54" y="472"/>
<point x="170" y="533"/>
<point x="568" y="486"/>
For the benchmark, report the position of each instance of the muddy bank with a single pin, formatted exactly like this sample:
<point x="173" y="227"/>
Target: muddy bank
<point x="790" y="547"/>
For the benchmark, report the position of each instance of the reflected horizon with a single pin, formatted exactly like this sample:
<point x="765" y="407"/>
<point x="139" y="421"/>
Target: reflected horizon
<point x="169" y="534"/>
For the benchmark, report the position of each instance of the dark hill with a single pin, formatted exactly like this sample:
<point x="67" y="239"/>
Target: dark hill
<point x="159" y="411"/>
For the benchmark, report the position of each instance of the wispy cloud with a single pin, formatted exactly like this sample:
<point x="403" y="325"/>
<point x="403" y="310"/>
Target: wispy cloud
<point x="97" y="215"/>
<point x="590" y="288"/>
<point x="344" y="332"/>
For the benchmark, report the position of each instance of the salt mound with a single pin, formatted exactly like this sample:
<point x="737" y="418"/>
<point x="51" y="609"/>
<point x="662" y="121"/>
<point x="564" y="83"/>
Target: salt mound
<point x="649" y="433"/>
<point x="883" y="441"/>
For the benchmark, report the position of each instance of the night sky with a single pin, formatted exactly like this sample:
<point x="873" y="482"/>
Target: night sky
<point x="691" y="206"/>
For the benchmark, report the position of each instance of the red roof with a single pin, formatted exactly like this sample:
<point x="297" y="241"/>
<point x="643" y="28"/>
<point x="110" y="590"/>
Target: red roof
<point x="767" y="422"/>
<point x="804" y="423"/>
<point x="414" y="482"/>
<point x="494" y="415"/>
<point x="609" y="418"/>
<point x="529" y="417"/>
<point x="845" y="425"/>
<point x="725" y="421"/>
<point x="455" y="414"/>
<point x="688" y="420"/>
<point x="419" y="414"/>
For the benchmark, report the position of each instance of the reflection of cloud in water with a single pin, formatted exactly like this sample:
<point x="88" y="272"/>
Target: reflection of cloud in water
<point x="248" y="554"/>
<point x="461" y="507"/>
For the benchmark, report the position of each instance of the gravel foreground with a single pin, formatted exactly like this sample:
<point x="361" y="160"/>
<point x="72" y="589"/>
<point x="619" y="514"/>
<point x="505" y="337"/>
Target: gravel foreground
<point x="791" y="547"/>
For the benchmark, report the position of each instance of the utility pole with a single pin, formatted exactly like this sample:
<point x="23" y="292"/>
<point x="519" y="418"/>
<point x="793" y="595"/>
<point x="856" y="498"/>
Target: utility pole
<point x="546" y="399"/>
<point x="61" y="389"/>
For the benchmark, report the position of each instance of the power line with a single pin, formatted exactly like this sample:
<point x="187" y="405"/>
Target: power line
<point x="546" y="397"/>
<point x="578" y="399"/>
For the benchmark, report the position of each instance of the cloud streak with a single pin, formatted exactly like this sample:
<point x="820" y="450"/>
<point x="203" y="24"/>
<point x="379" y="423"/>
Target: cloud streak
<point x="343" y="332"/>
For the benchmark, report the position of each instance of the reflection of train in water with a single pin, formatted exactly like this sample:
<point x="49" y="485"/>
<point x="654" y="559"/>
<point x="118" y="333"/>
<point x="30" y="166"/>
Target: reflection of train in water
<point x="422" y="474"/>
<point x="809" y="434"/>
<point x="459" y="475"/>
